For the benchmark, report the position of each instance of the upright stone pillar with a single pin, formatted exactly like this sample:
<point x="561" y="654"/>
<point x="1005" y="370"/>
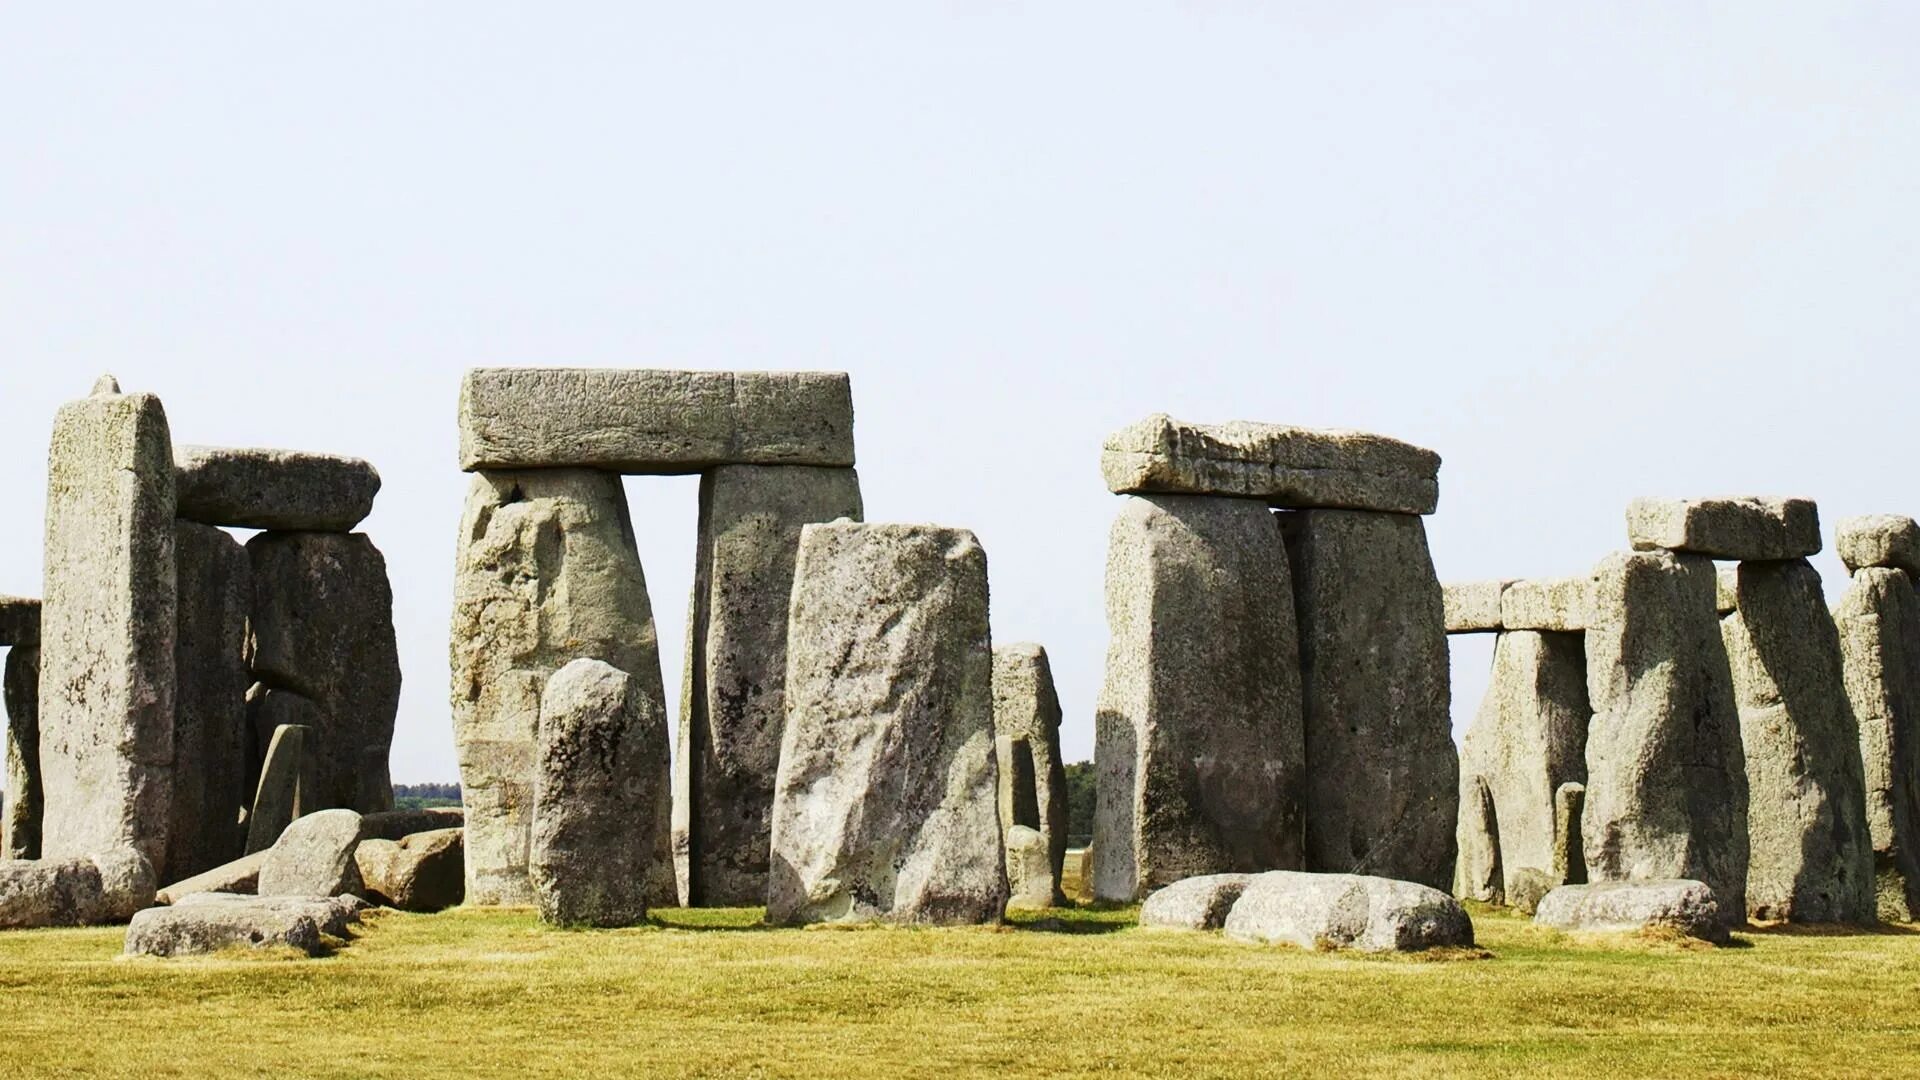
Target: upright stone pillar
<point x="1879" y="626"/>
<point x="1033" y="776"/>
<point x="1198" y="745"/>
<point x="107" y="633"/>
<point x="734" y="690"/>
<point x="211" y="782"/>
<point x="1382" y="772"/>
<point x="1666" y="793"/>
<point x="20" y="827"/>
<point x="884" y="805"/>
<point x="546" y="573"/>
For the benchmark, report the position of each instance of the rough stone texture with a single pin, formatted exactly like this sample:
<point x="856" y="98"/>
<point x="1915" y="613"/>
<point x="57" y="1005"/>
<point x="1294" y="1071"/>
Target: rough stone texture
<point x="1033" y="773"/>
<point x="323" y="628"/>
<point x="1031" y="882"/>
<point x="1473" y="607"/>
<point x="733" y="702"/>
<point x="652" y="421"/>
<point x="1569" y="854"/>
<point x="314" y="857"/>
<point x="1477" y="873"/>
<point x="20" y="824"/>
<point x="242" y="875"/>
<point x="1382" y="772"/>
<point x="1526" y="886"/>
<point x="602" y="798"/>
<point x="84" y="891"/>
<point x="1347" y="911"/>
<point x="209" y="922"/>
<point x="107" y="630"/>
<point x="1529" y="738"/>
<point x="289" y="490"/>
<point x="420" y="872"/>
<point x="1198" y="749"/>
<point x="1666" y="793"/>
<point x="1616" y="907"/>
<point x="1553" y="604"/>
<point x="398" y="824"/>
<point x="1879" y="540"/>
<point x="1745" y="527"/>
<point x="211" y="782"/>
<point x="1726" y="590"/>
<point x="1811" y="858"/>
<point x="277" y="800"/>
<point x="1198" y="903"/>
<point x="1282" y="465"/>
<point x="1879" y="626"/>
<point x="547" y="573"/>
<point x="19" y="620"/>
<point x="884" y="804"/>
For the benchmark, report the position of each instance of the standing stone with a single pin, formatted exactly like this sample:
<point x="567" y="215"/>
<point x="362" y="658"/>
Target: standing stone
<point x="107" y="629"/>
<point x="1477" y="873"/>
<point x="1529" y="738"/>
<point x="1666" y="789"/>
<point x="1033" y="776"/>
<point x="269" y="710"/>
<point x="274" y="489"/>
<point x="323" y="628"/>
<point x="734" y="693"/>
<point x="314" y="857"/>
<point x="1569" y="856"/>
<point x="1031" y="882"/>
<point x="884" y="805"/>
<point x="1811" y="856"/>
<point x="277" y="800"/>
<point x="601" y="800"/>
<point x="20" y="828"/>
<point x="1879" y="627"/>
<point x="1198" y="747"/>
<point x="1382" y="772"/>
<point x="211" y="784"/>
<point x="547" y="573"/>
<point x="19" y="620"/>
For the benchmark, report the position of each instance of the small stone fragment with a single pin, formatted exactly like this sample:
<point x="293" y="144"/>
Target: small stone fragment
<point x="314" y="857"/>
<point x="209" y="922"/>
<point x="1473" y="607"/>
<point x="1555" y="605"/>
<point x="1745" y="527"/>
<point x="1347" y="911"/>
<point x="422" y="872"/>
<point x="1882" y="540"/>
<point x="287" y="490"/>
<point x="1618" y="907"/>
<point x="239" y="876"/>
<point x="1030" y="878"/>
<point x="1198" y="903"/>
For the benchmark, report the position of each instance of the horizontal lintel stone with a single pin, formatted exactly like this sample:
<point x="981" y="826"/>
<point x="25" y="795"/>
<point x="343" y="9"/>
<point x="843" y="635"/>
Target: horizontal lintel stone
<point x="1742" y="528"/>
<point x="1551" y="604"/>
<point x="1880" y="540"/>
<point x="1473" y="607"/>
<point x="289" y="490"/>
<point x="1288" y="467"/>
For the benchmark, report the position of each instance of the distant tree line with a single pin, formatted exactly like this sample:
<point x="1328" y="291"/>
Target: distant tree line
<point x="422" y="796"/>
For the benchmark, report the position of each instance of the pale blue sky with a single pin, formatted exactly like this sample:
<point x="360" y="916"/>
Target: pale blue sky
<point x="1585" y="254"/>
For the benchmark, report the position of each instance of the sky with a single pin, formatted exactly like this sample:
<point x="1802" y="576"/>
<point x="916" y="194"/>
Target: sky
<point x="1585" y="255"/>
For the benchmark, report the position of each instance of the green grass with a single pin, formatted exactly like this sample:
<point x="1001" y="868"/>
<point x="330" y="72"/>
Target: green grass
<point x="492" y="993"/>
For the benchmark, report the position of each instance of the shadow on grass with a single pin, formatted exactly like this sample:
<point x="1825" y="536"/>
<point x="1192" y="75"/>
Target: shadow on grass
<point x="1786" y="929"/>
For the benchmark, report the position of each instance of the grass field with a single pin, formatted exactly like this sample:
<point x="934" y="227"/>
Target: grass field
<point x="492" y="993"/>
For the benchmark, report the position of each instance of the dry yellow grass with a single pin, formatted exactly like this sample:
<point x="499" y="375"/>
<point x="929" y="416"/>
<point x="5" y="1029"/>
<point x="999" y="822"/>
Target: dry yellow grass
<point x="491" y="993"/>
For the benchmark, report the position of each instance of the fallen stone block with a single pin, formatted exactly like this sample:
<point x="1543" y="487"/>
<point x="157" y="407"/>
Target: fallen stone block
<point x="209" y="922"/>
<point x="1616" y="907"/>
<point x="1554" y="605"/>
<point x="423" y="871"/>
<point x="1030" y="880"/>
<point x="106" y="888"/>
<point x="1198" y="903"/>
<point x="314" y="857"/>
<point x="19" y="621"/>
<point x="286" y="490"/>
<point x="1883" y="540"/>
<point x="1347" y="911"/>
<point x="241" y="876"/>
<point x="1292" y="467"/>
<point x="1473" y="607"/>
<point x="651" y="421"/>
<point x="1745" y="528"/>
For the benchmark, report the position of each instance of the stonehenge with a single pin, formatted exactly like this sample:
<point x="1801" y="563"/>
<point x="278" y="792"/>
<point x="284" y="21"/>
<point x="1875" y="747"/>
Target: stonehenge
<point x="1033" y="774"/>
<point x="1346" y="911"/>
<point x="1621" y="907"/>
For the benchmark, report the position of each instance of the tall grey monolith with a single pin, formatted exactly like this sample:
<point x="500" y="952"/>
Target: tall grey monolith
<point x="1879" y="626"/>
<point x="1198" y="749"/>
<point x="884" y="804"/>
<point x="211" y="781"/>
<point x="1033" y="775"/>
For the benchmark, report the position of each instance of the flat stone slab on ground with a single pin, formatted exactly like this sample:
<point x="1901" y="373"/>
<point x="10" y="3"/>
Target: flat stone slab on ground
<point x="641" y="420"/>
<point x="1742" y="527"/>
<point x="1473" y="607"/>
<point x="1552" y="604"/>
<point x="241" y="876"/>
<point x="1880" y="540"/>
<point x="19" y="620"/>
<point x="1347" y="911"/>
<point x="209" y="922"/>
<point x="1286" y="466"/>
<point x="1616" y="907"/>
<point x="292" y="490"/>
<point x="1198" y="903"/>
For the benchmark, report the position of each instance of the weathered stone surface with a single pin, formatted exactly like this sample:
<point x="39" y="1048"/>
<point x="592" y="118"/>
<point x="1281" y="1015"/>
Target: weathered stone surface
<point x="1347" y="911"/>
<point x="1528" y="739"/>
<point x="323" y="628"/>
<point x="240" y="876"/>
<point x="1033" y="774"/>
<point x="209" y="922"/>
<point x="1282" y="465"/>
<point x="19" y="620"/>
<point x="20" y="824"/>
<point x="398" y="824"/>
<point x="1726" y="590"/>
<point x="83" y="891"/>
<point x="1553" y="604"/>
<point x="314" y="857"/>
<point x="1477" y="873"/>
<point x="107" y="630"/>
<point x="1526" y="886"/>
<point x="277" y="800"/>
<point x="1882" y="540"/>
<point x="1473" y="607"/>
<point x="547" y="573"/>
<point x="1666" y="792"/>
<point x="1198" y="903"/>
<point x="211" y="783"/>
<point x="884" y="804"/>
<point x="1811" y="857"/>
<point x="1569" y="853"/>
<point x="1744" y="527"/>
<point x="1879" y="625"/>
<point x="289" y="490"/>
<point x="420" y="872"/>
<point x="733" y="702"/>
<point x="1382" y="772"/>
<point x="1031" y="882"/>
<point x="602" y="801"/>
<point x="652" y="421"/>
<point x="1198" y="742"/>
<point x="1616" y="907"/>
